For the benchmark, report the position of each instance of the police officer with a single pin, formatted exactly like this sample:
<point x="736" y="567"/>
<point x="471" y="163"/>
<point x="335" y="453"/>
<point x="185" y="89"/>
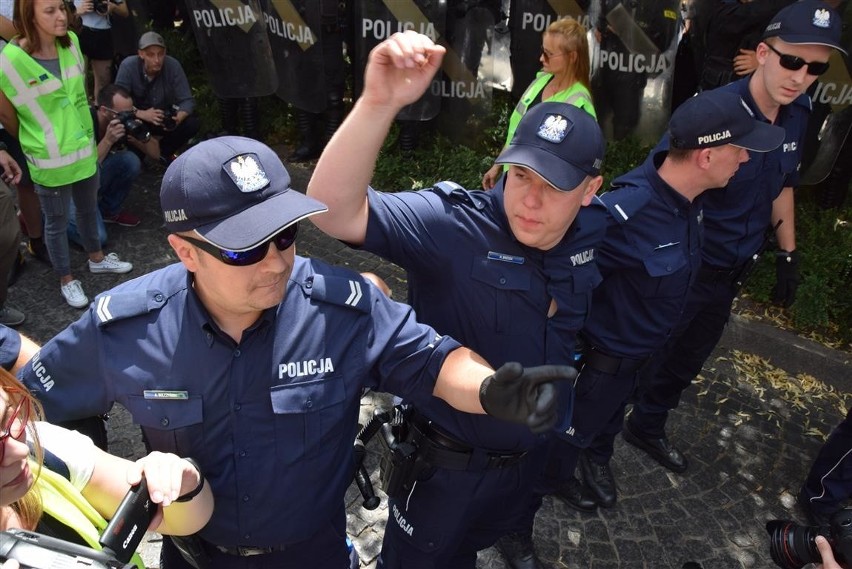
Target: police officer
<point x="510" y="271"/>
<point x="828" y="486"/>
<point x="648" y="260"/>
<point x="795" y="49"/>
<point x="252" y="361"/>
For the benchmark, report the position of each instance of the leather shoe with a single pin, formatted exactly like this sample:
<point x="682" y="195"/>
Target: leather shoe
<point x="518" y="551"/>
<point x="599" y="480"/>
<point x="660" y="449"/>
<point x="575" y="494"/>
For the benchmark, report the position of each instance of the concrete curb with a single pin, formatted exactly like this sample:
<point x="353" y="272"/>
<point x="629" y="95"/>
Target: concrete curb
<point x="789" y="351"/>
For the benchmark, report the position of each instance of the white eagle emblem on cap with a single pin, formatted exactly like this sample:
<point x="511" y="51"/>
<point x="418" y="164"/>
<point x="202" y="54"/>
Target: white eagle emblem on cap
<point x="822" y="18"/>
<point x="247" y="174"/>
<point x="553" y="128"/>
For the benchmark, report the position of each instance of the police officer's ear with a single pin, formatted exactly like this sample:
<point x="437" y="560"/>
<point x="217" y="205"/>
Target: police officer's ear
<point x="592" y="186"/>
<point x="761" y="52"/>
<point x="702" y="157"/>
<point x="186" y="252"/>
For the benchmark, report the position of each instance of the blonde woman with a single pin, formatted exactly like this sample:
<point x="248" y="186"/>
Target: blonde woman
<point x="564" y="77"/>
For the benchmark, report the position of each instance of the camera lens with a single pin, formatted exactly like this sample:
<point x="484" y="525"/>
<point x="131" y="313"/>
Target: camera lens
<point x="792" y="546"/>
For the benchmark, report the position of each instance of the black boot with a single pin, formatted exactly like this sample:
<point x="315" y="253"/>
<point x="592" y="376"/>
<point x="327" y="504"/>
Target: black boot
<point x="518" y="551"/>
<point x="599" y="480"/>
<point x="228" y="116"/>
<point x="309" y="139"/>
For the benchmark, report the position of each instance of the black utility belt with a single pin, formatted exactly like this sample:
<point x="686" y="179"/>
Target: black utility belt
<point x="247" y="551"/>
<point x="610" y="364"/>
<point x="718" y="275"/>
<point x="441" y="450"/>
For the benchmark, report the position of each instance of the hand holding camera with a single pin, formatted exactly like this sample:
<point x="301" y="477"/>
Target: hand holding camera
<point x="793" y="546"/>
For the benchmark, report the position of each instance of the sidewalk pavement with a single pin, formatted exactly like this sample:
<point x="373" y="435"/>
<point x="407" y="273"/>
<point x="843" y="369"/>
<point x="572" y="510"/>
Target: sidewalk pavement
<point x="749" y="444"/>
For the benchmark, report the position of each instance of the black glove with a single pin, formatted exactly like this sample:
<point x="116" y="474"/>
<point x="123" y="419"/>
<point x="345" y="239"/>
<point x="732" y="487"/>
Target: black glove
<point x="525" y="396"/>
<point x="786" y="277"/>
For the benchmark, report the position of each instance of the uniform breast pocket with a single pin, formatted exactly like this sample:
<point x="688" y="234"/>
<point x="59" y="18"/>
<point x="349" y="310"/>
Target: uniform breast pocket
<point x="313" y="412"/>
<point x="575" y="305"/>
<point x="175" y="426"/>
<point x="504" y="281"/>
<point x="665" y="267"/>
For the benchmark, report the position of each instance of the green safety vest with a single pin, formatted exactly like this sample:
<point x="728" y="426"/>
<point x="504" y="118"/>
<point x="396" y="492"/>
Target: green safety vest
<point x="56" y="130"/>
<point x="576" y="95"/>
<point x="64" y="502"/>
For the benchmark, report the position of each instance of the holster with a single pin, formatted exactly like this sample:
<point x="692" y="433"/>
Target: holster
<point x="191" y="548"/>
<point x="402" y="462"/>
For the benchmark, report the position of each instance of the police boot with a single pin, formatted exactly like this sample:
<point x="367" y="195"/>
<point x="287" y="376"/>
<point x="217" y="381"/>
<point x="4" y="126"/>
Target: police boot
<point x="599" y="480"/>
<point x="832" y="192"/>
<point x="333" y="115"/>
<point x="228" y="115"/>
<point x="408" y="136"/>
<point x="518" y="551"/>
<point x="309" y="139"/>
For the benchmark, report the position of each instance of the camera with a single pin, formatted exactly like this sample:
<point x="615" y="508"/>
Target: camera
<point x="169" y="120"/>
<point x="133" y="126"/>
<point x="119" y="539"/>
<point x="792" y="546"/>
<point x="102" y="6"/>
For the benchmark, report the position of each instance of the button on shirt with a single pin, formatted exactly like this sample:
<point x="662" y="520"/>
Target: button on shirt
<point x="648" y="260"/>
<point x="737" y="216"/>
<point x="271" y="421"/>
<point x="470" y="278"/>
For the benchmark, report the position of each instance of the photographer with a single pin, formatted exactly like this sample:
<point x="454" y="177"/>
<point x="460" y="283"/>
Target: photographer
<point x="118" y="162"/>
<point x="159" y="86"/>
<point x="96" y="36"/>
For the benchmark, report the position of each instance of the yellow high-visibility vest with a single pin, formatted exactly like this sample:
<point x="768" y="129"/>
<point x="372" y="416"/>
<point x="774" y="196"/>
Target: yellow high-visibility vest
<point x="56" y="130"/>
<point x="64" y="503"/>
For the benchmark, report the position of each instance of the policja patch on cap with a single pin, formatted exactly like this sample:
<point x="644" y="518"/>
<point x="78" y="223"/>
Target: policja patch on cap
<point x="807" y="22"/>
<point x="232" y="191"/>
<point x="558" y="141"/>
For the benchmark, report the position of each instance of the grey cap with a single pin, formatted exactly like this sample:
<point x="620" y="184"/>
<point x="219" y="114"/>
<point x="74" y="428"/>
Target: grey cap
<point x="151" y="38"/>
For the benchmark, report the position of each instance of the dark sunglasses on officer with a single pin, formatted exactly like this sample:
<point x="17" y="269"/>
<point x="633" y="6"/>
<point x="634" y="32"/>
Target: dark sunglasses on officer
<point x="794" y="63"/>
<point x="283" y="240"/>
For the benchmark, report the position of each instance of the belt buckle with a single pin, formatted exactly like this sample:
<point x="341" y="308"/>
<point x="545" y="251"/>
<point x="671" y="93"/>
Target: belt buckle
<point x="250" y="551"/>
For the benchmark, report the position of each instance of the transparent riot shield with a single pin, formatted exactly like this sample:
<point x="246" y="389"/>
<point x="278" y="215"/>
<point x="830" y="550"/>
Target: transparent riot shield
<point x="528" y="19"/>
<point x="376" y="20"/>
<point x="633" y="49"/>
<point x="465" y="89"/>
<point x="234" y="46"/>
<point x="295" y="29"/>
<point x="831" y="119"/>
<point x="126" y="31"/>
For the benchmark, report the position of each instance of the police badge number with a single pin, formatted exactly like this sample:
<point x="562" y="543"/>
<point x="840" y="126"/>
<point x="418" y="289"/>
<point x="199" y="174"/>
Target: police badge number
<point x="246" y="172"/>
<point x="554" y="128"/>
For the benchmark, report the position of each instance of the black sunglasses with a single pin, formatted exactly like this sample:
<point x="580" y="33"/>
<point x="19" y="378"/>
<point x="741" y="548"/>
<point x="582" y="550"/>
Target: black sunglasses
<point x="283" y="240"/>
<point x="794" y="63"/>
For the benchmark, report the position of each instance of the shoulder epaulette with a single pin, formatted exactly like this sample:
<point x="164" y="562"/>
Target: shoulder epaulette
<point x="626" y="201"/>
<point x="352" y="292"/>
<point x="110" y="307"/>
<point x="454" y="192"/>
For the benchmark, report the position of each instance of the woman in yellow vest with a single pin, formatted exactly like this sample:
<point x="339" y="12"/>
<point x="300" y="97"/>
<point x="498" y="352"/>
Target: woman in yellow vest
<point x="564" y="77"/>
<point x="43" y="103"/>
<point x="71" y="502"/>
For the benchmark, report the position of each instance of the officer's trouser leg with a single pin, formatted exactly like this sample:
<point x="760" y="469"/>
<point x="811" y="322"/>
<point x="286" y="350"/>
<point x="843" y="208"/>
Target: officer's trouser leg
<point x="684" y="357"/>
<point x="829" y="484"/>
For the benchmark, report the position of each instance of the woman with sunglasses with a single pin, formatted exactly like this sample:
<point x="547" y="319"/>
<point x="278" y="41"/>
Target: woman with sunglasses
<point x="564" y="77"/>
<point x="43" y="103"/>
<point x="40" y="462"/>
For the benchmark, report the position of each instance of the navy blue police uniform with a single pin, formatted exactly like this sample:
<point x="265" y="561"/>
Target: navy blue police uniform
<point x="736" y="220"/>
<point x="470" y="278"/>
<point x="828" y="486"/>
<point x="651" y="255"/>
<point x="270" y="420"/>
<point x="10" y="347"/>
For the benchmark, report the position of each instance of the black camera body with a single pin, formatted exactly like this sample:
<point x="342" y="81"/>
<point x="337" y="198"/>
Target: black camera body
<point x="169" y="120"/>
<point x="792" y="546"/>
<point x="133" y="126"/>
<point x="102" y="6"/>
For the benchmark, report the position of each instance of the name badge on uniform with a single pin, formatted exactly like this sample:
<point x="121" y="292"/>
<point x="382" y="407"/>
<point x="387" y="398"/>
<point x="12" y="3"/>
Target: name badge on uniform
<point x="165" y="394"/>
<point x="505" y="257"/>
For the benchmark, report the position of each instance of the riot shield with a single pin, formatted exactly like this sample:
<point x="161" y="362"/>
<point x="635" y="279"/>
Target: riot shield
<point x="376" y="20"/>
<point x="234" y="47"/>
<point x="496" y="69"/>
<point x="465" y="92"/>
<point x="528" y="19"/>
<point x="831" y="120"/>
<point x="295" y="36"/>
<point x="633" y="51"/>
<point x="126" y="31"/>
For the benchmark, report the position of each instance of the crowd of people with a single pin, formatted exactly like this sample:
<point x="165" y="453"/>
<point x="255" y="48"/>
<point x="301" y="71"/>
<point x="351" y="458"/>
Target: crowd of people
<point x="243" y="357"/>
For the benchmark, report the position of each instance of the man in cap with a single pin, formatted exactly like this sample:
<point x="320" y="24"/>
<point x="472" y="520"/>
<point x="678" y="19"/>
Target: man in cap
<point x="649" y="259"/>
<point x="510" y="271"/>
<point x="252" y="360"/>
<point x="738" y="219"/>
<point x="160" y="89"/>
